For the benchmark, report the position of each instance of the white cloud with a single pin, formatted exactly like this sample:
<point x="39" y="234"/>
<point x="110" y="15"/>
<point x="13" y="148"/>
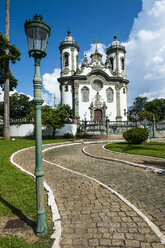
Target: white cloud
<point x="145" y="58"/>
<point x="51" y="85"/>
<point x="146" y="52"/>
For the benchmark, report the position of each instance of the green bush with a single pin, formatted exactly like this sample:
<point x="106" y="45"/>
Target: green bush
<point x="68" y="135"/>
<point x="135" y="135"/>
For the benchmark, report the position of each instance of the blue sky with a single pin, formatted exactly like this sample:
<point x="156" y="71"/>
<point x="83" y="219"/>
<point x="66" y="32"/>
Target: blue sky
<point x="134" y="22"/>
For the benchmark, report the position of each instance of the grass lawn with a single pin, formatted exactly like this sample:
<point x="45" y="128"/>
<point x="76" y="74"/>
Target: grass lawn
<point x="17" y="192"/>
<point x="154" y="149"/>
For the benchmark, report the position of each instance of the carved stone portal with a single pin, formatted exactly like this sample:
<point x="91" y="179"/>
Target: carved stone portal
<point x="98" y="109"/>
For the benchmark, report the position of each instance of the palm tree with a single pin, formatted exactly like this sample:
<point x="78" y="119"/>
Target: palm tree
<point x="6" y="132"/>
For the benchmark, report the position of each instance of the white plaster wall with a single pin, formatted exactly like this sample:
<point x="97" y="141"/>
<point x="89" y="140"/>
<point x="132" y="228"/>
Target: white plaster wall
<point x="25" y="130"/>
<point x="75" y="52"/>
<point x="86" y="70"/>
<point x="108" y="72"/>
<point x="22" y="130"/>
<point x="68" y="128"/>
<point x="123" y="103"/>
<point x="67" y="96"/>
<point x="84" y="111"/>
<point x="121" y="54"/>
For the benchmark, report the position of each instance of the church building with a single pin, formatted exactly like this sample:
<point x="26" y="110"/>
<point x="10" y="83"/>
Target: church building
<point x="97" y="91"/>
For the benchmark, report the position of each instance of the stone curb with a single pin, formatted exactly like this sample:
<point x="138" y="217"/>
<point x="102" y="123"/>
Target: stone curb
<point x="155" y="170"/>
<point x="136" y="155"/>
<point x="51" y="199"/>
<point x="150" y="223"/>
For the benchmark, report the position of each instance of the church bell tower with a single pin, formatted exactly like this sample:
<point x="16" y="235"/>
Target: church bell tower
<point x="69" y="56"/>
<point x="116" y="54"/>
<point x="69" y="65"/>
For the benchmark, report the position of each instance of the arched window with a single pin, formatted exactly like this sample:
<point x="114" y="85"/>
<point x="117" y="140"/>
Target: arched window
<point x="111" y="60"/>
<point x="122" y="63"/>
<point x="66" y="59"/>
<point x="109" y="93"/>
<point x="66" y="88"/>
<point x="85" y="94"/>
<point x="123" y="90"/>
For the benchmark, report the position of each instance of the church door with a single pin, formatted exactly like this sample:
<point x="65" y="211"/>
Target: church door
<point x="98" y="115"/>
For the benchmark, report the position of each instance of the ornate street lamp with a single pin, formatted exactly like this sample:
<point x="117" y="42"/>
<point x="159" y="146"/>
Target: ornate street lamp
<point x="37" y="32"/>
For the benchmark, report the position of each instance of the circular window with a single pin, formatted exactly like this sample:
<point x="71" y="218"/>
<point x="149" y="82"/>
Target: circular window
<point x="97" y="85"/>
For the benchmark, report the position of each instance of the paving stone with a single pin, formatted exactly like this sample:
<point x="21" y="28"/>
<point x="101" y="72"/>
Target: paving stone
<point x="132" y="243"/>
<point x="156" y="245"/>
<point x="93" y="242"/>
<point x="145" y="245"/>
<point x="105" y="242"/>
<point x="91" y="216"/>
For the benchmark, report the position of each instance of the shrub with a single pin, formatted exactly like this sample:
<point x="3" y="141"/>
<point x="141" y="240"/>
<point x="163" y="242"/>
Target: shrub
<point x="68" y="135"/>
<point x="135" y="135"/>
<point x="79" y="135"/>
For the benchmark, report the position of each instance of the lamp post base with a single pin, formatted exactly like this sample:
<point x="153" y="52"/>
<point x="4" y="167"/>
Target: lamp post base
<point x="41" y="232"/>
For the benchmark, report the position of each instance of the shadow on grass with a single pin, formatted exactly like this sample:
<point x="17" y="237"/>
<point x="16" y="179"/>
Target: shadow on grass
<point x="18" y="212"/>
<point x="156" y="164"/>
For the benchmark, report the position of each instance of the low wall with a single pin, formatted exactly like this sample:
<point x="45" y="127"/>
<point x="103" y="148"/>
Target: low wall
<point x="23" y="130"/>
<point x="26" y="130"/>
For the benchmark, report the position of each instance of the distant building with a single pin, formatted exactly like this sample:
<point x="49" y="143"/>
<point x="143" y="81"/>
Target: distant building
<point x="97" y="90"/>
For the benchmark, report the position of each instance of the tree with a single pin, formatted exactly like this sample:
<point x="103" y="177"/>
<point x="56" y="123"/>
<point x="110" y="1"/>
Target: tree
<point x="20" y="106"/>
<point x="6" y="128"/>
<point x="57" y="117"/>
<point x="138" y="106"/>
<point x="13" y="56"/>
<point x="145" y="115"/>
<point x="157" y="107"/>
<point x="7" y="56"/>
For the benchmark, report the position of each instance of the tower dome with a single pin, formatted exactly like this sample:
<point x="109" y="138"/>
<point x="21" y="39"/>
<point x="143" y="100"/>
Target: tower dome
<point x="69" y="38"/>
<point x="68" y="42"/>
<point x="69" y="55"/>
<point x="115" y="42"/>
<point x="115" y="45"/>
<point x="116" y="54"/>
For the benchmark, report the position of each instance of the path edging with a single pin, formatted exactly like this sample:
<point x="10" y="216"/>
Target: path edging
<point x="156" y="170"/>
<point x="51" y="202"/>
<point x="150" y="223"/>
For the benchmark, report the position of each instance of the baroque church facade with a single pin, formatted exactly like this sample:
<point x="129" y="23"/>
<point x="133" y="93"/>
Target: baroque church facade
<point x="97" y="91"/>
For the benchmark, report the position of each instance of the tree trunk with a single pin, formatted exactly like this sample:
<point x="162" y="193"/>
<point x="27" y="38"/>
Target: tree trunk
<point x="54" y="132"/>
<point x="6" y="132"/>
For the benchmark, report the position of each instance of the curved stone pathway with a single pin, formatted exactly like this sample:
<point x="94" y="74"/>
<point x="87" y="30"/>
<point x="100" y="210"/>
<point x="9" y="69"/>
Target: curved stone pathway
<point x="91" y="216"/>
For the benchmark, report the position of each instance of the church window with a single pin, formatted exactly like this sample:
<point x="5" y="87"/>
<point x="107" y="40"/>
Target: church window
<point x="85" y="94"/>
<point x="125" y="112"/>
<point x="123" y="90"/>
<point x="66" y="59"/>
<point x="97" y="85"/>
<point x="122" y="63"/>
<point x="109" y="95"/>
<point x="66" y="88"/>
<point x="111" y="60"/>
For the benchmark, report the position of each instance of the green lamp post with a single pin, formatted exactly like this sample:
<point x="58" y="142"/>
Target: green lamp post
<point x="37" y="32"/>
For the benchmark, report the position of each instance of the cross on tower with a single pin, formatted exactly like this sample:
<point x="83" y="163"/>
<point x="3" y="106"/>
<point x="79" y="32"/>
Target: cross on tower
<point x="96" y="42"/>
